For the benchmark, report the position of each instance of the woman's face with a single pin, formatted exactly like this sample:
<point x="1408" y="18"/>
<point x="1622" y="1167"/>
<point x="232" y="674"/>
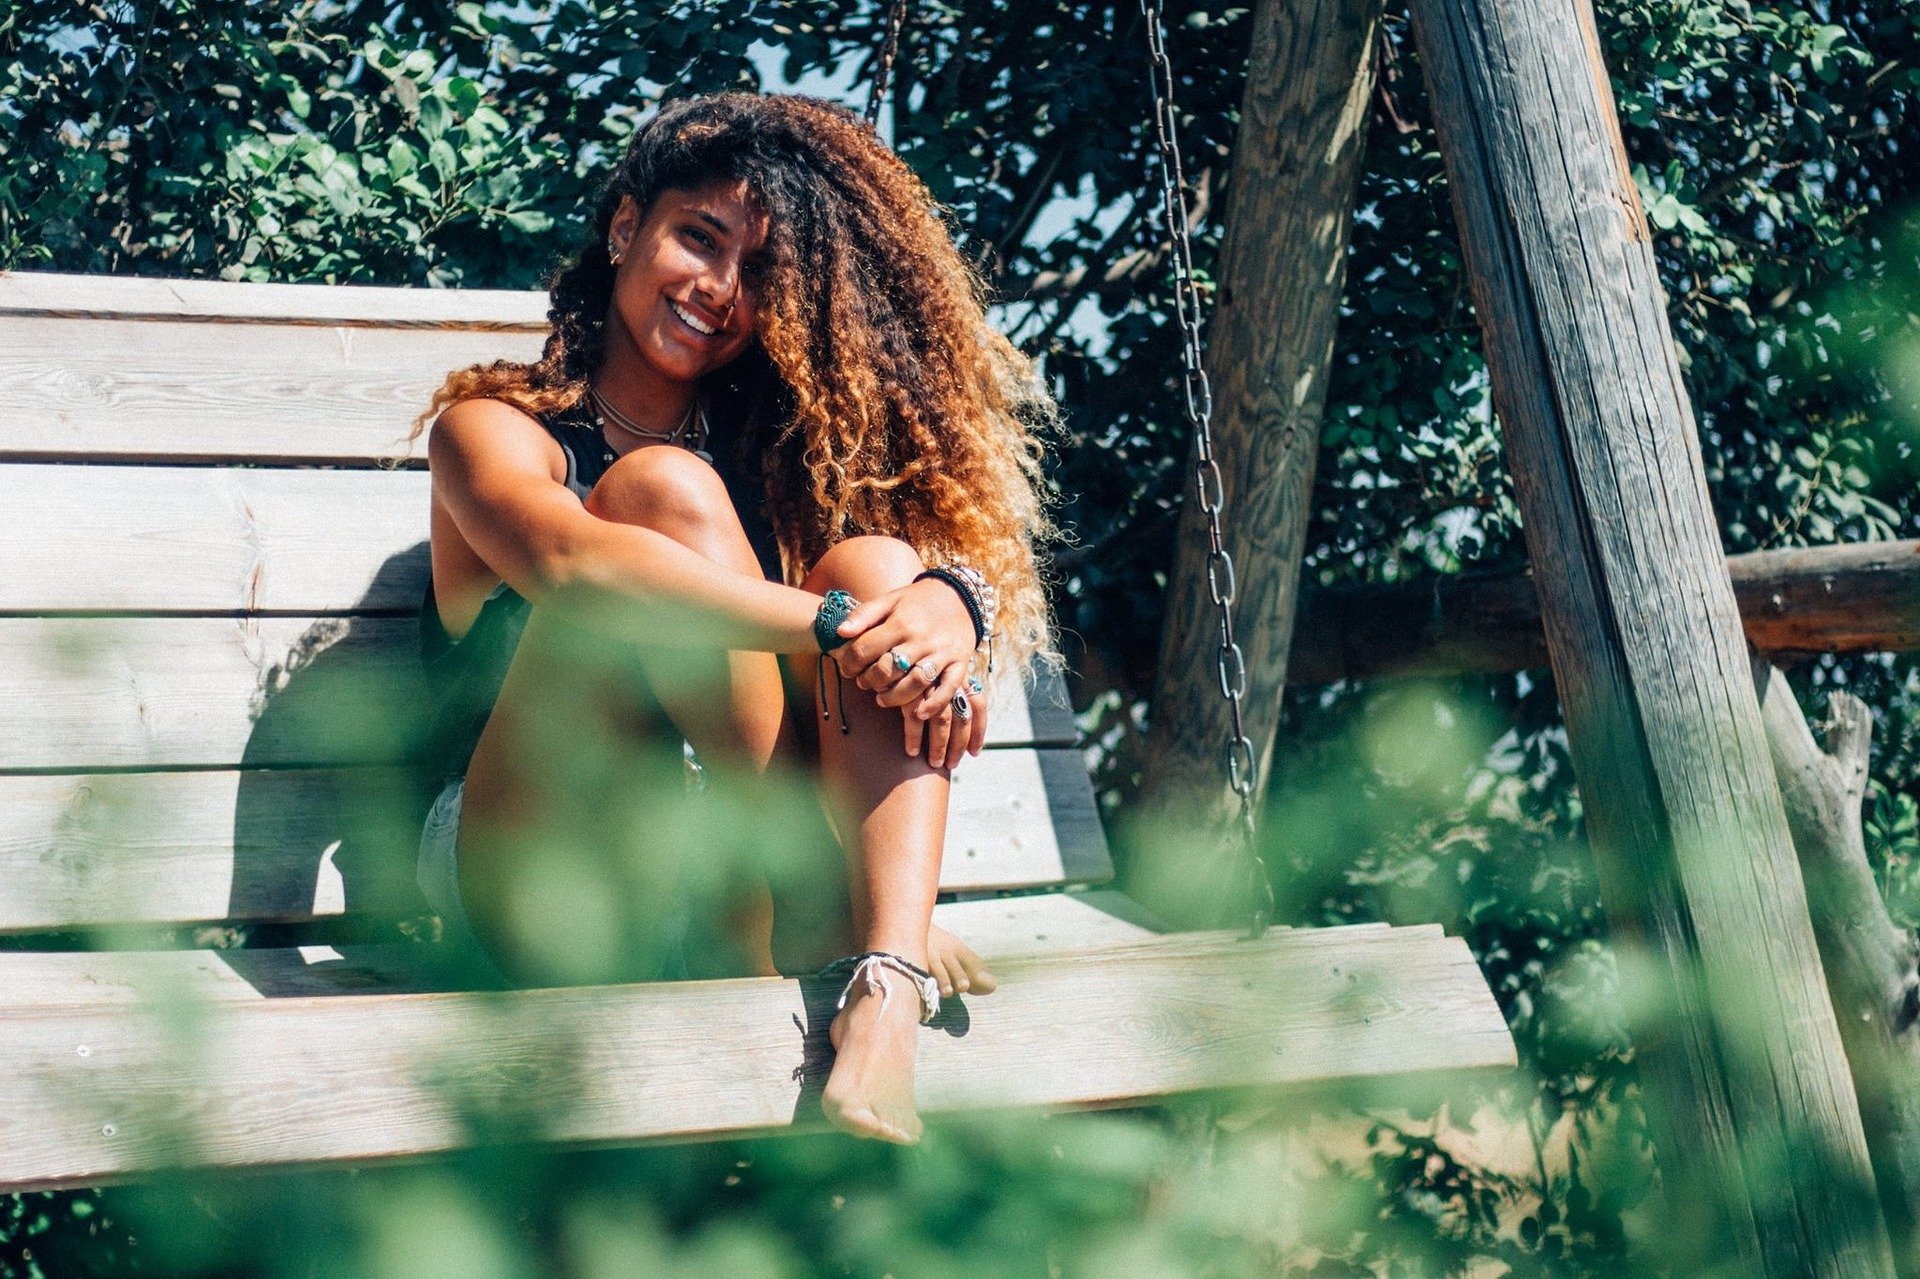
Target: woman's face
<point x="687" y="287"/>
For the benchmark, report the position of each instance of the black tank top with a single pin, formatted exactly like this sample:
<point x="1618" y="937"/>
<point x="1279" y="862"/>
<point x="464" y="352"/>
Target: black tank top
<point x="464" y="675"/>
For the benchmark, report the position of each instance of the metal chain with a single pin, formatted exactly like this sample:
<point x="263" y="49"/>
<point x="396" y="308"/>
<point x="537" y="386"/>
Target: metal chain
<point x="889" y="49"/>
<point x="1199" y="400"/>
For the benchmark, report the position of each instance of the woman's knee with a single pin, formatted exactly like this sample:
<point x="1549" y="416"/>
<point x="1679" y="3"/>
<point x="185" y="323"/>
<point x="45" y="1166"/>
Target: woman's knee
<point x="664" y="488"/>
<point x="866" y="563"/>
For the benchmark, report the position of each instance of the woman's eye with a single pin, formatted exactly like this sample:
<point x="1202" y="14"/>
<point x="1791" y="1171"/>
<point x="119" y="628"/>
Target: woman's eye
<point x="696" y="234"/>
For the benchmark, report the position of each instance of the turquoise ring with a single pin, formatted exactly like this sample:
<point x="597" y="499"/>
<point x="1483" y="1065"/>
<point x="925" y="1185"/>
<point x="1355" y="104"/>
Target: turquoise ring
<point x="900" y="663"/>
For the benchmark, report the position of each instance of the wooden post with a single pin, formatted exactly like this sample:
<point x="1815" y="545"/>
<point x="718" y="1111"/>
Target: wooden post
<point x="1755" y="1117"/>
<point x="1289" y="208"/>
<point x="1872" y="964"/>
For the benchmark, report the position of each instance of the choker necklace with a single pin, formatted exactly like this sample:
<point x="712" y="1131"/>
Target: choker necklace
<point x="696" y="417"/>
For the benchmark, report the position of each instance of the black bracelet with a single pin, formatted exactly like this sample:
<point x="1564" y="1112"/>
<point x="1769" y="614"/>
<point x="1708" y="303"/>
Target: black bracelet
<point x="965" y="590"/>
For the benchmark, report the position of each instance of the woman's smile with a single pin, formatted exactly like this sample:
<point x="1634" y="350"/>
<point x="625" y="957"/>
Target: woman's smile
<point x="704" y="328"/>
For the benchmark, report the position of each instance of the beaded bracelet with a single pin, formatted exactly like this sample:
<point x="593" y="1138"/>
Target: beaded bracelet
<point x="826" y="632"/>
<point x="978" y="594"/>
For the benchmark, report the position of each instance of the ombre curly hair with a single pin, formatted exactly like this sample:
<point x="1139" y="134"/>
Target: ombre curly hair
<point x="877" y="398"/>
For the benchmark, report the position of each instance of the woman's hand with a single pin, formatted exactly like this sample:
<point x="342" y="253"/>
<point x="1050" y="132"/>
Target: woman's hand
<point x="948" y="737"/>
<point x="924" y="622"/>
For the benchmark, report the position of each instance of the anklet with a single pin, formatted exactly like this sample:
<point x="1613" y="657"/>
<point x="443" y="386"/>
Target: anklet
<point x="866" y="967"/>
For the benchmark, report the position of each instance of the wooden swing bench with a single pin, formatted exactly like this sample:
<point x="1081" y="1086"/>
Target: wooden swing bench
<point x="209" y="584"/>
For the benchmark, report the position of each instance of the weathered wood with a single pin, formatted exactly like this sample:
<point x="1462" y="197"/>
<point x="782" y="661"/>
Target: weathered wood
<point x="91" y="1095"/>
<point x="1863" y="598"/>
<point x="1296" y="166"/>
<point x="194" y="692"/>
<point x="996" y="928"/>
<point x="49" y="294"/>
<point x="1684" y="814"/>
<point x="1872" y="965"/>
<point x="182" y="390"/>
<point x="298" y="844"/>
<point x="174" y="539"/>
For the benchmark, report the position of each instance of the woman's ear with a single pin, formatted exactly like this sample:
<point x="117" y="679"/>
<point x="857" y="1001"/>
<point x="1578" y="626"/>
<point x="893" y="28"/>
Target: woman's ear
<point x="620" y="232"/>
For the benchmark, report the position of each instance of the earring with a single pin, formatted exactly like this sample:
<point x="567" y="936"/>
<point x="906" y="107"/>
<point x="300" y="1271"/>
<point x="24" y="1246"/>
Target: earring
<point x="613" y="254"/>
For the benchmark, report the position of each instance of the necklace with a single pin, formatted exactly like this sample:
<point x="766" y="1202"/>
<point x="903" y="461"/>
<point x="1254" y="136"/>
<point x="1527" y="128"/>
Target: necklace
<point x="696" y="417"/>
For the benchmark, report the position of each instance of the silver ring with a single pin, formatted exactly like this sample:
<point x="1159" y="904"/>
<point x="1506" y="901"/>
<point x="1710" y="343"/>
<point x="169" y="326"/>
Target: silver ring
<point x="962" y="707"/>
<point x="974" y="685"/>
<point x="928" y="670"/>
<point x="900" y="663"/>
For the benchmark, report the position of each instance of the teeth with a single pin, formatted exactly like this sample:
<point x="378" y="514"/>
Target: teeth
<point x="681" y="311"/>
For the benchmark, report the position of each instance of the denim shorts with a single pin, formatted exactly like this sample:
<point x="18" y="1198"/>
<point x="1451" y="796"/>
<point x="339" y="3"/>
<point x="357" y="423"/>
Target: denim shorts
<point x="439" y="874"/>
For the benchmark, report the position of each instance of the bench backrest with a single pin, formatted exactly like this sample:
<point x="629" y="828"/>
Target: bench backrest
<point x="214" y="547"/>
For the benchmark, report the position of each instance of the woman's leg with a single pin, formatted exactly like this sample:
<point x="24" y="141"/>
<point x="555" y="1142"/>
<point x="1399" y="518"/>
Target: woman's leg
<point x="891" y="811"/>
<point x="582" y="752"/>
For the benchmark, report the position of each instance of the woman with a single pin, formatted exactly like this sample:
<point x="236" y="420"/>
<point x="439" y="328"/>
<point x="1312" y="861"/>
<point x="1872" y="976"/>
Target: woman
<point x="770" y="429"/>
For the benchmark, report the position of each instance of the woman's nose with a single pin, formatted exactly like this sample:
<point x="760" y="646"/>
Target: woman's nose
<point x="723" y="285"/>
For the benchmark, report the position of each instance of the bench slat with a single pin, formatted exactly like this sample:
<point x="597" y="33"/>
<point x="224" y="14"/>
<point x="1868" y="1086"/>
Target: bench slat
<point x="212" y="539"/>
<point x="54" y="294"/>
<point x="180" y="390"/>
<point x="296" y="844"/>
<point x="91" y="1095"/>
<point x="1007" y="926"/>
<point x="141" y="692"/>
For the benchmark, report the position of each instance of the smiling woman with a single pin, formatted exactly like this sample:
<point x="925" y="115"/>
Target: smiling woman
<point x="769" y="393"/>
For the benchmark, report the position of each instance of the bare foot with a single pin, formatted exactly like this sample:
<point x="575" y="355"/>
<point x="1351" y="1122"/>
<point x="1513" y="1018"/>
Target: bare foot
<point x="955" y="966"/>
<point x="870" y="1091"/>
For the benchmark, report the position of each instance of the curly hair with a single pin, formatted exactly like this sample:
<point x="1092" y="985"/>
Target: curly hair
<point x="877" y="395"/>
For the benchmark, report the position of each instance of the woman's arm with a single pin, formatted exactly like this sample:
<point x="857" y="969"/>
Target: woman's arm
<point x="493" y="474"/>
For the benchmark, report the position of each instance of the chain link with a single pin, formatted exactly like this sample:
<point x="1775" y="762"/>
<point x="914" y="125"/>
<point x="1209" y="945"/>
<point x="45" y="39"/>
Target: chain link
<point x="1198" y="394"/>
<point x="889" y="49"/>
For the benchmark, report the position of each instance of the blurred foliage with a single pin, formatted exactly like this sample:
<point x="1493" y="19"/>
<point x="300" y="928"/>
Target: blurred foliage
<point x="404" y="142"/>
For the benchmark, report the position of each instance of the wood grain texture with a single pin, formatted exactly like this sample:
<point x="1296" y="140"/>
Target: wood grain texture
<point x="91" y="1095"/>
<point x="50" y="294"/>
<point x="80" y="694"/>
<point x="1872" y="965"/>
<point x="186" y="389"/>
<point x="203" y="539"/>
<point x="1863" y="598"/>
<point x="1296" y="163"/>
<point x="86" y="850"/>
<point x="1684" y="813"/>
<point x="1000" y="927"/>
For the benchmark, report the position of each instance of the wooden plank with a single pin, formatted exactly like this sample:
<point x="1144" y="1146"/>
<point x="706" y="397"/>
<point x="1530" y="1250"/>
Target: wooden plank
<point x="1863" y="598"/>
<point x="87" y="693"/>
<point x="90" y="1095"/>
<point x="172" y="389"/>
<point x="1038" y="925"/>
<point x="1687" y="827"/>
<point x="1002" y="927"/>
<point x="196" y="692"/>
<point x="45" y="294"/>
<point x="206" y="539"/>
<point x="88" y="850"/>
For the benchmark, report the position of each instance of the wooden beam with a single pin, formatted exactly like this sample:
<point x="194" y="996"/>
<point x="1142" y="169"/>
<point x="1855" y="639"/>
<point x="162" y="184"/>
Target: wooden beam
<point x="90" y="1095"/>
<point x="1755" y="1119"/>
<point x="1793" y="603"/>
<point x="1872" y="965"/>
<point x="1296" y="166"/>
